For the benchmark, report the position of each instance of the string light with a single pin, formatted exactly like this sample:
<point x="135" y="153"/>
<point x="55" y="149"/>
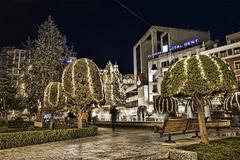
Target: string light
<point x="185" y="67"/>
<point x="218" y="67"/>
<point x="48" y="92"/>
<point x="73" y="79"/>
<point x="201" y="67"/>
<point x="63" y="76"/>
<point x="89" y="78"/>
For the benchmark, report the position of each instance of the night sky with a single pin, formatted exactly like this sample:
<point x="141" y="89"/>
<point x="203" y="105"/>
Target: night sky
<point x="103" y="30"/>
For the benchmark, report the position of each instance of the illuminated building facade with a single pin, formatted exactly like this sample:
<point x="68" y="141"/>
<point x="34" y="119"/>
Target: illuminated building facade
<point x="155" y="51"/>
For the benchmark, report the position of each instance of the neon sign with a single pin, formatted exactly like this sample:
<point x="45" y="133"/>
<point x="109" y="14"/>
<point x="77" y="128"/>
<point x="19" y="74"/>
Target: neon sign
<point x="185" y="44"/>
<point x="177" y="47"/>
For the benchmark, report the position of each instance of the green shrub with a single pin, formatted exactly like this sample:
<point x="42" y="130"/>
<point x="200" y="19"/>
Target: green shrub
<point x="17" y="139"/>
<point x="19" y="124"/>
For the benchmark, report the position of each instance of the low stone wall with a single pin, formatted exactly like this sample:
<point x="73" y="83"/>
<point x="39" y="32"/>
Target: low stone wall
<point x="145" y="125"/>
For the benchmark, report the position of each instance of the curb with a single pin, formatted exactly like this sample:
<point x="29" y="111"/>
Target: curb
<point x="177" y="154"/>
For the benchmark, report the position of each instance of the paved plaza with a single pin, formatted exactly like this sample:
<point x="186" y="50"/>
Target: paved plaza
<point x="123" y="144"/>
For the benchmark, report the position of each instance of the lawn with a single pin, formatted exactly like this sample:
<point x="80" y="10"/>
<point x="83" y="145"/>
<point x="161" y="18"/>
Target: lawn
<point x="226" y="149"/>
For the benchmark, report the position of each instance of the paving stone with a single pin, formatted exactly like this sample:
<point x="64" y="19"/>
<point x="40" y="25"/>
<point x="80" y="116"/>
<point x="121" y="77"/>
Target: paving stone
<point x="123" y="144"/>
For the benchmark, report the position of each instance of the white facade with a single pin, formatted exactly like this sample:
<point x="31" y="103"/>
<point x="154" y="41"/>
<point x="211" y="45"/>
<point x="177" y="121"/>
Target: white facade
<point x="155" y="51"/>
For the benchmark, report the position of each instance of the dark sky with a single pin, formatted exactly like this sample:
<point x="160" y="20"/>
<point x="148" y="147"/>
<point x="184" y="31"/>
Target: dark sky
<point x="103" y="30"/>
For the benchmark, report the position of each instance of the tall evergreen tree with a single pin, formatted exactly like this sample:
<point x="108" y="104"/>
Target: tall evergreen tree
<point x="47" y="59"/>
<point x="7" y="84"/>
<point x="27" y="79"/>
<point x="113" y="90"/>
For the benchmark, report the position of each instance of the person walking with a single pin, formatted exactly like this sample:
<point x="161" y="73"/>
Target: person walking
<point x="113" y="113"/>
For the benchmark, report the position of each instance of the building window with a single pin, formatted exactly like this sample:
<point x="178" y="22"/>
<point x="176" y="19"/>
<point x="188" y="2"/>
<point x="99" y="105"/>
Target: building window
<point x="159" y="41"/>
<point x="223" y="54"/>
<point x="138" y="56"/>
<point x="165" y="43"/>
<point x="154" y="66"/>
<point x="155" y="90"/>
<point x="237" y="65"/>
<point x="237" y="50"/>
<point x="230" y="52"/>
<point x="165" y="64"/>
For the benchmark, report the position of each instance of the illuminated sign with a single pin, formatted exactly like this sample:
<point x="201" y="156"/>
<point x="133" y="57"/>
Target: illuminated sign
<point x="176" y="47"/>
<point x="185" y="44"/>
<point x="165" y="48"/>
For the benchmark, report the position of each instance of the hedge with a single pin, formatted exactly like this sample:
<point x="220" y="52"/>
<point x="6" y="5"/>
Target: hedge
<point x="17" y="139"/>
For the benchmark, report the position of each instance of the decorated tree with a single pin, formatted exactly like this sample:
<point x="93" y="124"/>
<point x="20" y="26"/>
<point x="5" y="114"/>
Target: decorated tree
<point x="28" y="78"/>
<point x="113" y="90"/>
<point x="82" y="83"/>
<point x="46" y="61"/>
<point x="199" y="77"/>
<point x="53" y="99"/>
<point x="7" y="95"/>
<point x="8" y="88"/>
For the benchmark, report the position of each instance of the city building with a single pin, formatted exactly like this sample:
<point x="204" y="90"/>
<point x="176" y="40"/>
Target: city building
<point x="229" y="52"/>
<point x="14" y="58"/>
<point x="155" y="51"/>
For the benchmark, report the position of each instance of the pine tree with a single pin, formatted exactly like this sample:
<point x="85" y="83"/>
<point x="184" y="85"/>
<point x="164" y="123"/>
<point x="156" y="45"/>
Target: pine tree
<point x="47" y="60"/>
<point x="112" y="84"/>
<point x="27" y="79"/>
<point x="7" y="85"/>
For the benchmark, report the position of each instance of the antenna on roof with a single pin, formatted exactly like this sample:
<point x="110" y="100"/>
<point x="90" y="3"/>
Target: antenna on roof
<point x="133" y="13"/>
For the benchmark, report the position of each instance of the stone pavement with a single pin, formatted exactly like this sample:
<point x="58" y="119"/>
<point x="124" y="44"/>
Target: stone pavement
<point x="123" y="144"/>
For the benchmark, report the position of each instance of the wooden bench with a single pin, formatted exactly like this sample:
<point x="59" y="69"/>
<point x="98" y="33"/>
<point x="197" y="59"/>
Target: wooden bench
<point x="219" y="124"/>
<point x="192" y="127"/>
<point x="173" y="127"/>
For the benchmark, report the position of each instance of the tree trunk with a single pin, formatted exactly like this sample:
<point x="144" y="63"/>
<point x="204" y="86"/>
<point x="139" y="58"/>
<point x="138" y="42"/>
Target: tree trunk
<point x="79" y="118"/>
<point x="5" y="112"/>
<point x="51" y="120"/>
<point x="201" y="120"/>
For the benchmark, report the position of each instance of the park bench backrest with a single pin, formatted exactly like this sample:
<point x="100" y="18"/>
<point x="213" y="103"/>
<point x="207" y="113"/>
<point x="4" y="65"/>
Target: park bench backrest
<point x="175" y="125"/>
<point x="192" y="125"/>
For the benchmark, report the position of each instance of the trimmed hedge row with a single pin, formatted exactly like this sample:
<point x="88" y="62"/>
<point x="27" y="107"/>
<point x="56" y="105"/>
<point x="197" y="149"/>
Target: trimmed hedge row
<point x="17" y="139"/>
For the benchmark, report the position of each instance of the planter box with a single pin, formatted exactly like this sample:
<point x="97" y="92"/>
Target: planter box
<point x="38" y="124"/>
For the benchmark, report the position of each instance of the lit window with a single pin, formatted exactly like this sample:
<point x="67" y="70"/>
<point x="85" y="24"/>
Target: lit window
<point x="237" y="65"/>
<point x="165" y="48"/>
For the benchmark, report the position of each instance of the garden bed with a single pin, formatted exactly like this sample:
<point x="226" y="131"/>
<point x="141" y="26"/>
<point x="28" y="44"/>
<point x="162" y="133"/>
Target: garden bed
<point x="17" y="139"/>
<point x="225" y="149"/>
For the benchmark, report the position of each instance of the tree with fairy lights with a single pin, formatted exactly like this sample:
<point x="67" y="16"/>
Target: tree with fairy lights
<point x="199" y="77"/>
<point x="46" y="61"/>
<point x="82" y="83"/>
<point x="53" y="99"/>
<point x="113" y="91"/>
